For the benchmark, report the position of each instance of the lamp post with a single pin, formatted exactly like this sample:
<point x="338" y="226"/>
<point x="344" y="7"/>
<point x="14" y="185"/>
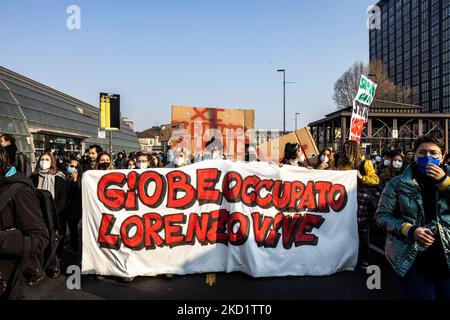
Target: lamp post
<point x="284" y="98"/>
<point x="296" y="114"/>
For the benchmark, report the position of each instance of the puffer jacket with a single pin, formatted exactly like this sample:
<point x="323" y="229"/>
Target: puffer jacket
<point x="369" y="176"/>
<point x="400" y="207"/>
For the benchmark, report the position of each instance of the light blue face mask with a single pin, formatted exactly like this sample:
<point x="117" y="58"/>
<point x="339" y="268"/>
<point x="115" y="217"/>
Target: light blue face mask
<point x="71" y="170"/>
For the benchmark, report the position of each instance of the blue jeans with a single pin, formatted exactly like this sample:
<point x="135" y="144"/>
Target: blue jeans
<point x="418" y="285"/>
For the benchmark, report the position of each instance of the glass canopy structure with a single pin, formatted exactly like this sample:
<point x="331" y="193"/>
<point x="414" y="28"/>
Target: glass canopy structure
<point x="40" y="118"/>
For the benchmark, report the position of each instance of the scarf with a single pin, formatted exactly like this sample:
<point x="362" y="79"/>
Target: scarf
<point x="48" y="182"/>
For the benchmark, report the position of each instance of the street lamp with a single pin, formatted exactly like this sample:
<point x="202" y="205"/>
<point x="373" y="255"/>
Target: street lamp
<point x="296" y="114"/>
<point x="284" y="97"/>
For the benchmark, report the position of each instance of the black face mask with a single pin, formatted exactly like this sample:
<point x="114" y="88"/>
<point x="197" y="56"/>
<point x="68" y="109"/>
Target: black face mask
<point x="103" y="166"/>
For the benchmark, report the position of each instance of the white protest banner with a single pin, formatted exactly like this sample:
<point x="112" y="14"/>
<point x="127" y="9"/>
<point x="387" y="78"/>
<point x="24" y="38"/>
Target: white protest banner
<point x="216" y="216"/>
<point x="366" y="90"/>
<point x="361" y="104"/>
<point x="360" y="116"/>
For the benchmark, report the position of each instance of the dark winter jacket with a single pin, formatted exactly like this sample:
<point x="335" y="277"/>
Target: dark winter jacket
<point x="402" y="207"/>
<point x="73" y="207"/>
<point x="22" y="229"/>
<point x="60" y="192"/>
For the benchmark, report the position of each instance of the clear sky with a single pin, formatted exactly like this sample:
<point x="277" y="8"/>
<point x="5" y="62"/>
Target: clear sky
<point x="216" y="53"/>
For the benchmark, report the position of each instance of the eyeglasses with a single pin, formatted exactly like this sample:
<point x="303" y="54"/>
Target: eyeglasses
<point x="433" y="153"/>
<point x="72" y="166"/>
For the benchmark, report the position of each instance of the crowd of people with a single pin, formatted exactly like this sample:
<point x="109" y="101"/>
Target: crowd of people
<point x="409" y="188"/>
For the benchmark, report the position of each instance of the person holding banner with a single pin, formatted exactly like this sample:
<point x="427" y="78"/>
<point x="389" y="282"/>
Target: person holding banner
<point x="131" y="164"/>
<point x="104" y="162"/>
<point x="294" y="156"/>
<point x="180" y="160"/>
<point x="155" y="161"/>
<point x="325" y="160"/>
<point x="414" y="211"/>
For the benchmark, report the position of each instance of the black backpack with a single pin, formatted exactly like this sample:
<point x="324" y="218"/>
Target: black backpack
<point x="23" y="164"/>
<point x="40" y="262"/>
<point x="51" y="220"/>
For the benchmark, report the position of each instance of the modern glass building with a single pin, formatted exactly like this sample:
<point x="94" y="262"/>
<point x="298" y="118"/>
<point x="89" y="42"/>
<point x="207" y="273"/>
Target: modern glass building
<point x="414" y="44"/>
<point x="43" y="118"/>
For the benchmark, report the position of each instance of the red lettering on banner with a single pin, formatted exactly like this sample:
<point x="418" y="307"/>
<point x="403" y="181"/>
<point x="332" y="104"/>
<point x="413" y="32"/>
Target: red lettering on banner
<point x="154" y="200"/>
<point x="232" y="193"/>
<point x="274" y="234"/>
<point x="290" y="225"/>
<point x="308" y="222"/>
<point x="337" y="197"/>
<point x="135" y="242"/>
<point x="264" y="202"/>
<point x="113" y="199"/>
<point x="297" y="191"/>
<point x="173" y="232"/>
<point x="323" y="187"/>
<point x="206" y="182"/>
<point x="199" y="228"/>
<point x="281" y="194"/>
<point x="308" y="197"/>
<point x="261" y="230"/>
<point x="241" y="235"/>
<point x="153" y="224"/>
<point x="105" y="238"/>
<point x="180" y="181"/>
<point x="214" y="233"/>
<point x="249" y="198"/>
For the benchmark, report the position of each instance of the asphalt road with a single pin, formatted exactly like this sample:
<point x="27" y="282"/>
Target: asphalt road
<point x="349" y="285"/>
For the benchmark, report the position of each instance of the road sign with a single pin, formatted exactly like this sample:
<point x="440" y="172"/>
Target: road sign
<point x="109" y="111"/>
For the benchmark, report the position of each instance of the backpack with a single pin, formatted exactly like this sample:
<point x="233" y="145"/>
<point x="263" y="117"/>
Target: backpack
<point x="23" y="164"/>
<point x="37" y="264"/>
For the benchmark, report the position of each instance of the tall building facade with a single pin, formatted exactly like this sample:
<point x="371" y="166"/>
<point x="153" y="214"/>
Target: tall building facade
<point x="414" y="45"/>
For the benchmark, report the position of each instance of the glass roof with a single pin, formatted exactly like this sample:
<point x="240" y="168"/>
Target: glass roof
<point x="46" y="109"/>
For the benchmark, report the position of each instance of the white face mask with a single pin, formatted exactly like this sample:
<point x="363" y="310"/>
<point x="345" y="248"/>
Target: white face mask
<point x="324" y="158"/>
<point x="387" y="163"/>
<point x="302" y="158"/>
<point x="178" y="161"/>
<point x="45" y="165"/>
<point x="142" y="165"/>
<point x="130" y="167"/>
<point x="397" y="164"/>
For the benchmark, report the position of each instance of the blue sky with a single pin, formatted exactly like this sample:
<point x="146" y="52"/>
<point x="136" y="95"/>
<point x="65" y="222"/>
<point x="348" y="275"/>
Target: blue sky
<point x="216" y="53"/>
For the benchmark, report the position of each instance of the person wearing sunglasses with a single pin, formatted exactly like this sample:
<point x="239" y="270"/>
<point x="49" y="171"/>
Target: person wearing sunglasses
<point x="414" y="211"/>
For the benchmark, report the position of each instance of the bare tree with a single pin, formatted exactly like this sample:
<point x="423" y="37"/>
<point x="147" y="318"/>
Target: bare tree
<point x="346" y="87"/>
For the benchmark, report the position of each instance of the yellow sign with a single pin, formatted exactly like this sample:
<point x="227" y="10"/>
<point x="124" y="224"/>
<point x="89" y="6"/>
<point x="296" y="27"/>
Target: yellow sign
<point x="105" y="112"/>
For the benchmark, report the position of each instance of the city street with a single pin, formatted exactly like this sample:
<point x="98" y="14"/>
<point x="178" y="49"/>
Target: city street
<point x="235" y="286"/>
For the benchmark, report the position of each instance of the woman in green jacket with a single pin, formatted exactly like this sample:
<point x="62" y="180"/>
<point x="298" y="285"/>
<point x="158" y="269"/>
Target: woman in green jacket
<point x="415" y="212"/>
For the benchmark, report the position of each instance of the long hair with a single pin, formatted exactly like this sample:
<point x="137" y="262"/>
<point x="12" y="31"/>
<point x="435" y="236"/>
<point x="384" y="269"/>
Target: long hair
<point x="330" y="158"/>
<point x="4" y="160"/>
<point x="97" y="163"/>
<point x="160" y="165"/>
<point x="290" y="151"/>
<point x="354" y="157"/>
<point x="53" y="170"/>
